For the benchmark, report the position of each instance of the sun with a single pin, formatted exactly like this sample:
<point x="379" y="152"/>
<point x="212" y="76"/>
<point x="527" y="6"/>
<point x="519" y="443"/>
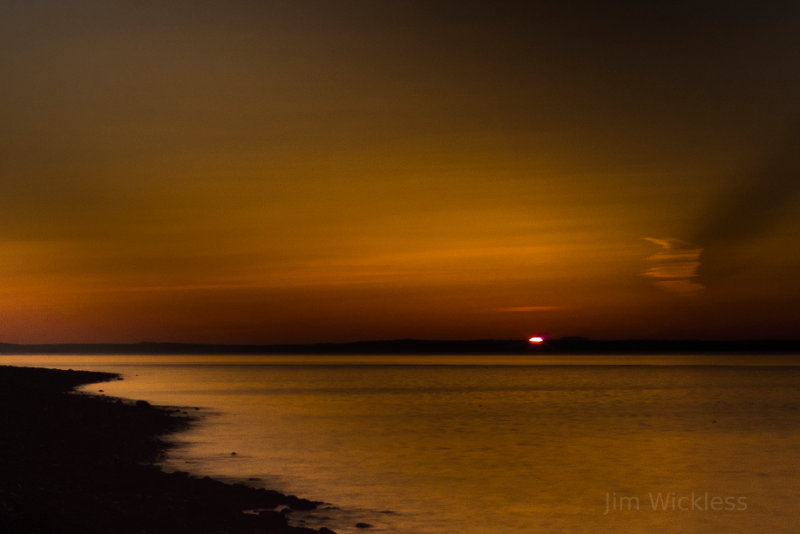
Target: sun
<point x="536" y="340"/>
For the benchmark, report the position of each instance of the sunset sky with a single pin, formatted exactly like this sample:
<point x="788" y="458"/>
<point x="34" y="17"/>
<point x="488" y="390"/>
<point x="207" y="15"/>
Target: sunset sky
<point x="301" y="171"/>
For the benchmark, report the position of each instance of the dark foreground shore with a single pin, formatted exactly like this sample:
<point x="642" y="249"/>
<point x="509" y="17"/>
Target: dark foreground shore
<point x="78" y="463"/>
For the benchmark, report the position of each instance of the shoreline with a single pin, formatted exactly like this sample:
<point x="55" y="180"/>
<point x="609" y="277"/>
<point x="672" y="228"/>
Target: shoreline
<point x="72" y="462"/>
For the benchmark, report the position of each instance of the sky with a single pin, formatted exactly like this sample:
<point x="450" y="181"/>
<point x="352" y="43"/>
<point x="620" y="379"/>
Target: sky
<point x="303" y="171"/>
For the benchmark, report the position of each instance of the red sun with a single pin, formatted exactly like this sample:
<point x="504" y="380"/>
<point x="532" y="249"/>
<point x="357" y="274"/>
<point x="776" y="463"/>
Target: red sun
<point x="536" y="340"/>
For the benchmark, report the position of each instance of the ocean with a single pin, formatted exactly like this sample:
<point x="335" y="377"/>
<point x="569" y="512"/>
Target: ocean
<point x="489" y="444"/>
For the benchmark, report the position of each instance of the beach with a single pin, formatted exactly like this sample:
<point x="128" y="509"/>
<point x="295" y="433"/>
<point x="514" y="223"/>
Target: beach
<point x="84" y="463"/>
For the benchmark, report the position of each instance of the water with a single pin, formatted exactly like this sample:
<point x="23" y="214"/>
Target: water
<point x="491" y="444"/>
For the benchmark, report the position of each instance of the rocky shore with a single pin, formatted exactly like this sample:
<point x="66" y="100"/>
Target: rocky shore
<point x="78" y="463"/>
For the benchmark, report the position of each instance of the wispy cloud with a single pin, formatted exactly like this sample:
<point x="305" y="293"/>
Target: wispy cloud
<point x="674" y="268"/>
<point x="525" y="309"/>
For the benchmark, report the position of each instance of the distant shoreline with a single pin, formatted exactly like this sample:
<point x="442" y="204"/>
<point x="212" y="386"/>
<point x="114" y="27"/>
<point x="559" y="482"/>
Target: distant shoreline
<point x="565" y="345"/>
<point x="84" y="464"/>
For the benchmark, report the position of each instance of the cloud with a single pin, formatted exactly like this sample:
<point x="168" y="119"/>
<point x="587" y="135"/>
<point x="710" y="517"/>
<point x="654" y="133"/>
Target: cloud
<point x="753" y="206"/>
<point x="724" y="239"/>
<point x="675" y="267"/>
<point x="524" y="309"/>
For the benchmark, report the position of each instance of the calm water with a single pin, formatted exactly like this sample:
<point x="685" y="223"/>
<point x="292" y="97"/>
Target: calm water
<point x="491" y="444"/>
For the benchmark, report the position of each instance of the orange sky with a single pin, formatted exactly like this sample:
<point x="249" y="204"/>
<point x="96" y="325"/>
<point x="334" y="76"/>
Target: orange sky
<point x="254" y="172"/>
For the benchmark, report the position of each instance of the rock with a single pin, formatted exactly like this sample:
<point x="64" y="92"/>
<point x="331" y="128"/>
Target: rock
<point x="269" y="519"/>
<point x="83" y="463"/>
<point x="296" y="503"/>
<point x="363" y="525"/>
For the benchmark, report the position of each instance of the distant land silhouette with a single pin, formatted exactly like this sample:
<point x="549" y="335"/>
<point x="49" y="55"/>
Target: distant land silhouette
<point x="564" y="345"/>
